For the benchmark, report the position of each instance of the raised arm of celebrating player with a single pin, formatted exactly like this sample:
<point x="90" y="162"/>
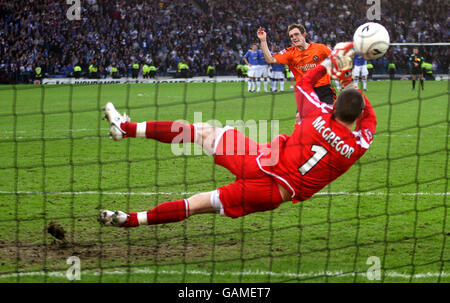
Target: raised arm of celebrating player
<point x="264" y="47"/>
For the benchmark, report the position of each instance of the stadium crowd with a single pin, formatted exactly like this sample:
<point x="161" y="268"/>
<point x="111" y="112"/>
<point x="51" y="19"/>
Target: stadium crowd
<point x="197" y="32"/>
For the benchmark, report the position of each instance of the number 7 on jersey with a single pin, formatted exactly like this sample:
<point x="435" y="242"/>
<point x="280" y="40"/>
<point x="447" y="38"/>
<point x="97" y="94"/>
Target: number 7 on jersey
<point x="319" y="153"/>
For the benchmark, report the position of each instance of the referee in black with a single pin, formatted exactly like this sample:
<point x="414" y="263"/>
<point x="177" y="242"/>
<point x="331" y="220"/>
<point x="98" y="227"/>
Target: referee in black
<point x="415" y="61"/>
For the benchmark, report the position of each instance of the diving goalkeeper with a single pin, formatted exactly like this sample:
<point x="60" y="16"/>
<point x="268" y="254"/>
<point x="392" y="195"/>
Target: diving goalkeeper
<point x="323" y="146"/>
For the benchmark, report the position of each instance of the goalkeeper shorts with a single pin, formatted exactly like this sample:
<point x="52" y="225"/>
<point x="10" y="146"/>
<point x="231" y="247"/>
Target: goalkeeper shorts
<point x="253" y="190"/>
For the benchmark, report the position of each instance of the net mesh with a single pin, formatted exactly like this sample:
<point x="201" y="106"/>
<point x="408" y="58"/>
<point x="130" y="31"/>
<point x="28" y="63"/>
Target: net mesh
<point x="59" y="168"/>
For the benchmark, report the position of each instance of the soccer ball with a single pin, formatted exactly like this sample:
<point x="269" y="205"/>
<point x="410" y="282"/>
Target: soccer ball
<point x="371" y="40"/>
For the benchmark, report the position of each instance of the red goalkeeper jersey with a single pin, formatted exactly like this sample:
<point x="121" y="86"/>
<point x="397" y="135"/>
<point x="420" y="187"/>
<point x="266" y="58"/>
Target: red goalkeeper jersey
<point x="320" y="149"/>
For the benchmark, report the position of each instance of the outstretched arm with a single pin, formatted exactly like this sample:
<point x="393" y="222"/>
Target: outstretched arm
<point x="367" y="120"/>
<point x="306" y="97"/>
<point x="264" y="47"/>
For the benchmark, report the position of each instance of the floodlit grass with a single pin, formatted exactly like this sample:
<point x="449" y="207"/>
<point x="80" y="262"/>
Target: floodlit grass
<point x="58" y="164"/>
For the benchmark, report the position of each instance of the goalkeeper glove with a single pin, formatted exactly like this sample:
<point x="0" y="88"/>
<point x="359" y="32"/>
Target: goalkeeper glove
<point x="340" y="63"/>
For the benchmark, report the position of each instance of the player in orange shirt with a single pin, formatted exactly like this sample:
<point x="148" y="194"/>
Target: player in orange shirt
<point x="301" y="57"/>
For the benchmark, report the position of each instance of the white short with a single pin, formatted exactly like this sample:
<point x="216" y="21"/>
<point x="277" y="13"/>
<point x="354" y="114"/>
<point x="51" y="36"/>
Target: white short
<point x="360" y="71"/>
<point x="264" y="71"/>
<point x="253" y="71"/>
<point x="277" y="75"/>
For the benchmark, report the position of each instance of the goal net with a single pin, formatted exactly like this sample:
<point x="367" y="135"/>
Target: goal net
<point x="386" y="219"/>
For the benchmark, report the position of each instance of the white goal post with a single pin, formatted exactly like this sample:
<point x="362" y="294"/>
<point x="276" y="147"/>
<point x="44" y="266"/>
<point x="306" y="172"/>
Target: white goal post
<point x="420" y="44"/>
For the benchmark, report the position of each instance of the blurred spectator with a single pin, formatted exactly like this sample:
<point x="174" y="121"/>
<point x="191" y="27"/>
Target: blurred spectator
<point x="160" y="33"/>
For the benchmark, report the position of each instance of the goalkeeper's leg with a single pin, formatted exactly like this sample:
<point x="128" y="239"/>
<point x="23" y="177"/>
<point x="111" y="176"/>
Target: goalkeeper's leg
<point x="240" y="198"/>
<point x="174" y="132"/>
<point x="163" y="131"/>
<point x="167" y="212"/>
<point x="172" y="211"/>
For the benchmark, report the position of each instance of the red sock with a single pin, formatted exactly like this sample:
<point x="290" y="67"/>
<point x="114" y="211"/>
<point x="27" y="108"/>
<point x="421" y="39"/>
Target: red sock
<point x="163" y="131"/>
<point x="167" y="212"/>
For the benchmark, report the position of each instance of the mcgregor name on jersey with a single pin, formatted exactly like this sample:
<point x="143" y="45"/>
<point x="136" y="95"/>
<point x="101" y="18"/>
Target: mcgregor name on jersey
<point x="335" y="141"/>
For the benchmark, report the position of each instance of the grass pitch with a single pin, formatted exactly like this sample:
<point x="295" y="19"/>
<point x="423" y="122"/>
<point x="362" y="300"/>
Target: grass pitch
<point x="58" y="165"/>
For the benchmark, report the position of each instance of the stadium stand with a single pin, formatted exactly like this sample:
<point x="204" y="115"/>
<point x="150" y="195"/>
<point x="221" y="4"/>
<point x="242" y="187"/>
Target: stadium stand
<point x="38" y="33"/>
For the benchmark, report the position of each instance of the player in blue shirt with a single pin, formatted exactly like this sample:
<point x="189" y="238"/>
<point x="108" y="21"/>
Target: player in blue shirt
<point x="251" y="58"/>
<point x="360" y="70"/>
<point x="276" y="72"/>
<point x="263" y="71"/>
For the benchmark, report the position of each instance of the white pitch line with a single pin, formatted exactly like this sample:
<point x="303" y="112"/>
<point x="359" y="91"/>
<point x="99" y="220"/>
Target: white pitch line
<point x="93" y="193"/>
<point x="74" y="130"/>
<point x="60" y="274"/>
<point x="192" y="193"/>
<point x="407" y="135"/>
<point x="381" y="194"/>
<point x="53" y="130"/>
<point x="59" y="138"/>
<point x="47" y="132"/>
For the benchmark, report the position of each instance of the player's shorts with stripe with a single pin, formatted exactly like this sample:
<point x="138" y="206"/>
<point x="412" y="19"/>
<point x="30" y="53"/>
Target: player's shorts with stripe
<point x="253" y="71"/>
<point x="253" y="190"/>
<point x="360" y="71"/>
